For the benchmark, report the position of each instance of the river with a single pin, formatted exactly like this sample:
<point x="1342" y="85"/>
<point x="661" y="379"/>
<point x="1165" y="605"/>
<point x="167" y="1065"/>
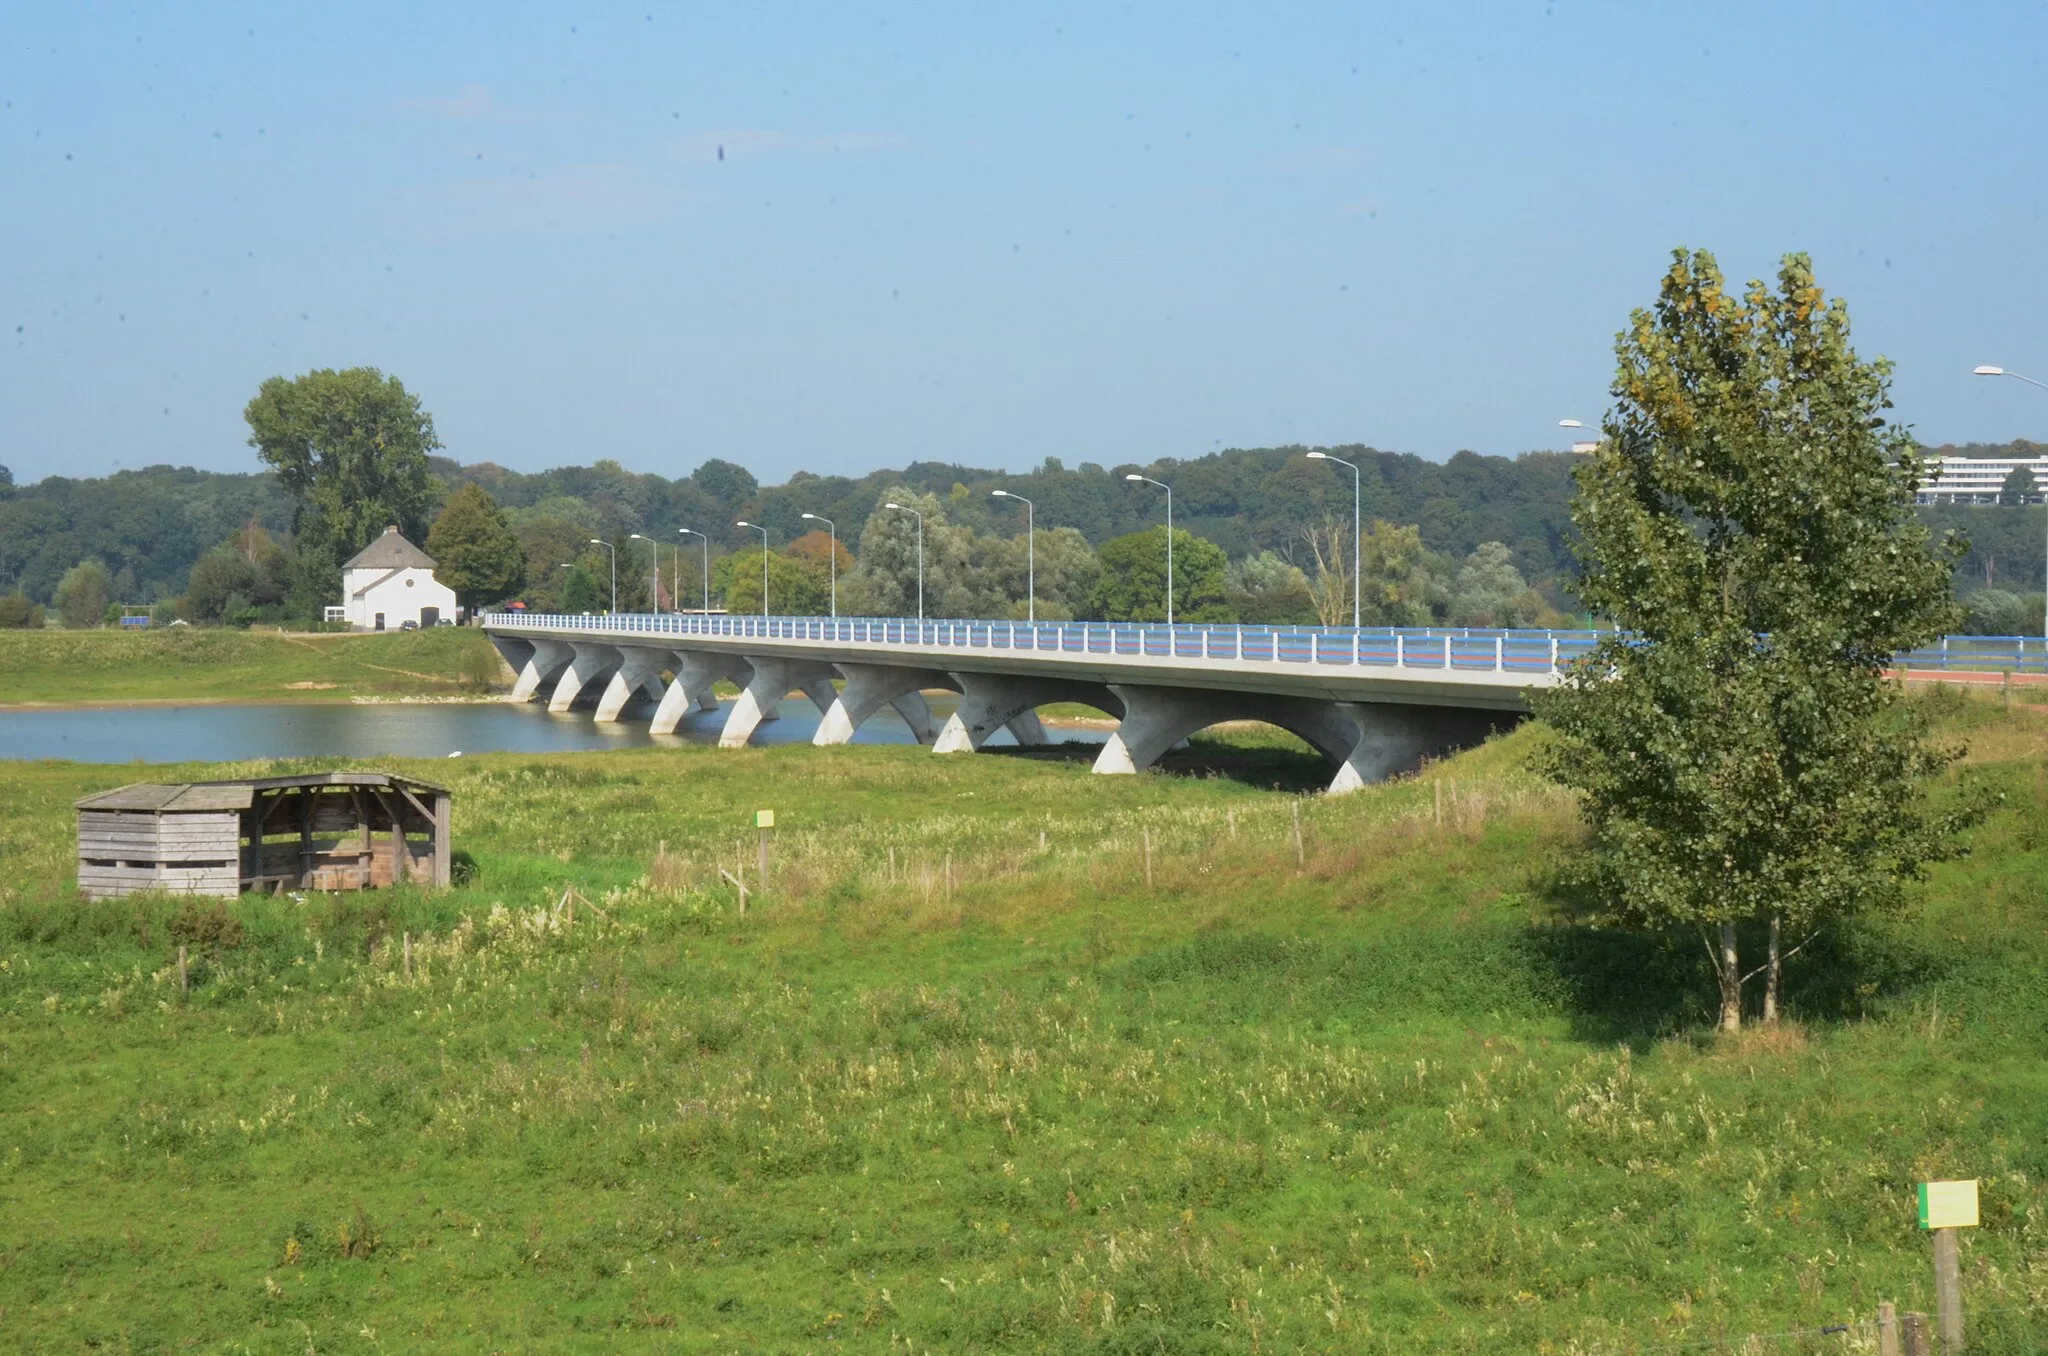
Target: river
<point x="228" y="733"/>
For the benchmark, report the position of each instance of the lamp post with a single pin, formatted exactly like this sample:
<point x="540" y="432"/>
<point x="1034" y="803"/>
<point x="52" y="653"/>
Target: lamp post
<point x="764" y="563"/>
<point x="1030" y="552"/>
<point x="1134" y="476"/>
<point x="615" y="570"/>
<point x="2001" y="372"/>
<point x="691" y="531"/>
<point x="1582" y="446"/>
<point x="656" y="578"/>
<point x="920" y="553"/>
<point x="1357" y="495"/>
<point x="833" y="529"/>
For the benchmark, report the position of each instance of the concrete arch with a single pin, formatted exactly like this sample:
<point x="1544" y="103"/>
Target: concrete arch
<point x="990" y="702"/>
<point x="870" y="687"/>
<point x="1365" y="741"/>
<point x="588" y="664"/>
<point x="543" y="663"/>
<point x="772" y="680"/>
<point x="696" y="673"/>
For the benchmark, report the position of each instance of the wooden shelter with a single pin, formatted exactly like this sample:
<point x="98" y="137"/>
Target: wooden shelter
<point x="326" y="831"/>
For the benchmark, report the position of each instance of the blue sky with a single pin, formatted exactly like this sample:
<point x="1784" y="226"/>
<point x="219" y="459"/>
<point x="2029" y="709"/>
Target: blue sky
<point x="1103" y="233"/>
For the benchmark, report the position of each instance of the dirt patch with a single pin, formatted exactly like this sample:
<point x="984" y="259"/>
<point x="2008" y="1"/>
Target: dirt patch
<point x="309" y="687"/>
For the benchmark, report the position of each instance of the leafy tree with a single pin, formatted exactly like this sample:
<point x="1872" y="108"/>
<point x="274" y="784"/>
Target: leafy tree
<point x="222" y="583"/>
<point x="474" y="550"/>
<point x="1748" y="522"/>
<point x="2019" y="487"/>
<point x="84" y="593"/>
<point x="1268" y="590"/>
<point x="6" y="483"/>
<point x="1997" y="612"/>
<point x="1489" y="591"/>
<point x="884" y="581"/>
<point x="1133" y="582"/>
<point x="17" y="613"/>
<point x="797" y="587"/>
<point x="1401" y="580"/>
<point x="582" y="591"/>
<point x="728" y="485"/>
<point x="1002" y="575"/>
<point x="350" y="448"/>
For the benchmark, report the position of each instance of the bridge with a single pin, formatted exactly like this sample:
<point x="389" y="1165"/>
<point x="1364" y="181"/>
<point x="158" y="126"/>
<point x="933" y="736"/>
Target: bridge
<point x="1372" y="702"/>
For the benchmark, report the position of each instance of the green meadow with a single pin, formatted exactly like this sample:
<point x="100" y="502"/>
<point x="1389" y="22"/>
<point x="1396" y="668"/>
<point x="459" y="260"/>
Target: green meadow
<point x="1004" y="1057"/>
<point x="188" y="664"/>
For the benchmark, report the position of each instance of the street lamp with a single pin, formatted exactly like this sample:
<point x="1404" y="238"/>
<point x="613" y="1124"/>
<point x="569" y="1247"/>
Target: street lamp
<point x="615" y="570"/>
<point x="656" y="595"/>
<point x="1030" y="552"/>
<point x="1134" y="476"/>
<point x="833" y="529"/>
<point x="1356" y="495"/>
<point x="2001" y="372"/>
<point x="920" y="553"/>
<point x="1580" y="445"/>
<point x="764" y="563"/>
<point x="691" y="531"/>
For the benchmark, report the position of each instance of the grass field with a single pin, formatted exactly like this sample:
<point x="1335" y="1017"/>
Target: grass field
<point x="186" y="664"/>
<point x="1169" y="1079"/>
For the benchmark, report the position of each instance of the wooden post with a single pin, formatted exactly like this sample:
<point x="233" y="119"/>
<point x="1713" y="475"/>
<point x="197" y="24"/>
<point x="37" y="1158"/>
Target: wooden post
<point x="1439" y="804"/>
<point x="761" y="867"/>
<point x="1041" y="840"/>
<point x="407" y="944"/>
<point x="1300" y="853"/>
<point x="892" y="863"/>
<point x="1146" y="833"/>
<point x="1915" y="1336"/>
<point x="183" y="986"/>
<point x="738" y="885"/>
<point x="949" y="875"/>
<point x="1948" y="1291"/>
<point x="2006" y="689"/>
<point x="444" y="841"/>
<point x="1887" y="1329"/>
<point x="1230" y="818"/>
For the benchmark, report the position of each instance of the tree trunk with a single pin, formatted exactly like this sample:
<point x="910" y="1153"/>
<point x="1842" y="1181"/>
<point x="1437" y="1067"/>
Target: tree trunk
<point x="1771" y="973"/>
<point x="1728" y="968"/>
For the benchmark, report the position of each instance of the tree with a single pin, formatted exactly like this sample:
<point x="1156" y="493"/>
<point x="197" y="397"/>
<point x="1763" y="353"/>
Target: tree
<point x="1133" y="582"/>
<point x="582" y="591"/>
<point x="797" y="587"/>
<point x="474" y="551"/>
<point x="17" y="613"/>
<point x="222" y="583"/>
<point x="1401" y="584"/>
<point x="1269" y="591"/>
<point x="83" y="594"/>
<point x="1748" y="522"/>
<point x="884" y="580"/>
<point x="2019" y="487"/>
<point x="1331" y="594"/>
<point x="6" y="483"/>
<point x="1489" y="591"/>
<point x="350" y="448"/>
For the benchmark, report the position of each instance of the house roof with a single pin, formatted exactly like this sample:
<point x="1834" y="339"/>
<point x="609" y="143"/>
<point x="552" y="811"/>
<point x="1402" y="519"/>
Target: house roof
<point x="389" y="552"/>
<point x="186" y="797"/>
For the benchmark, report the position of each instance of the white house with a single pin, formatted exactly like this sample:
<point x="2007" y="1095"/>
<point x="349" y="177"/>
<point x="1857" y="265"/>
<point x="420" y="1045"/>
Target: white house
<point x="391" y="582"/>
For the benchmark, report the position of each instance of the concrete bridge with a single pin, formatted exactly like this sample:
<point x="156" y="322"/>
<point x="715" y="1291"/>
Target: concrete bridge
<point x="1373" y="702"/>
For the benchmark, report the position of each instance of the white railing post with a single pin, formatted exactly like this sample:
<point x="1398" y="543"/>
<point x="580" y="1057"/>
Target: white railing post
<point x="1400" y="651"/>
<point x="1500" y="653"/>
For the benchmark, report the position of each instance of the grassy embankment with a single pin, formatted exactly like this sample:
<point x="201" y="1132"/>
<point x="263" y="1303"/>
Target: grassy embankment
<point x="191" y="664"/>
<point x="1383" y="1097"/>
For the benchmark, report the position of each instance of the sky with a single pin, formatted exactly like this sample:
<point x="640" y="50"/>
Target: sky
<point x="838" y="237"/>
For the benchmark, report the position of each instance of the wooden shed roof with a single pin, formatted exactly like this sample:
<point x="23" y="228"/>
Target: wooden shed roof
<point x="197" y="797"/>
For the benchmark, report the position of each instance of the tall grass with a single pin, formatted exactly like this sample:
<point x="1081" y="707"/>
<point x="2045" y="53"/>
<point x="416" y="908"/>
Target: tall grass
<point x="1381" y="1094"/>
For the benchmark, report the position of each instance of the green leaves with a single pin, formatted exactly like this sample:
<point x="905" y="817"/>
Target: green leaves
<point x="350" y="448"/>
<point x="474" y="550"/>
<point x="1748" y="520"/>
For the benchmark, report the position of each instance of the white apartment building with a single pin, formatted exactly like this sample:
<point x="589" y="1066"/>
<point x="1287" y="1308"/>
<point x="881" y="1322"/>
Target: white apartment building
<point x="1978" y="480"/>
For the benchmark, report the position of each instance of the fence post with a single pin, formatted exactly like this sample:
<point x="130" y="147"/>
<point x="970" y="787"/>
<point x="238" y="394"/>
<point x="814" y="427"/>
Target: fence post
<point x="1887" y="1329"/>
<point x="1948" y="1291"/>
<point x="1300" y="853"/>
<point x="1914" y="1336"/>
<point x="183" y="987"/>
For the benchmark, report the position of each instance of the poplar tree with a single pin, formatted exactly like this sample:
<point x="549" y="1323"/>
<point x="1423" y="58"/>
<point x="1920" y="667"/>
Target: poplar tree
<point x="1747" y="522"/>
<point x="474" y="551"/>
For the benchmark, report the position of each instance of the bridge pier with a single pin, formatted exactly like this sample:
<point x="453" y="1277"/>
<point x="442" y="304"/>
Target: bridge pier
<point x="1366" y="741"/>
<point x="870" y="687"/>
<point x="696" y="672"/>
<point x="544" y="660"/>
<point x="639" y="667"/>
<point x="773" y="679"/>
<point x="588" y="664"/>
<point x="989" y="702"/>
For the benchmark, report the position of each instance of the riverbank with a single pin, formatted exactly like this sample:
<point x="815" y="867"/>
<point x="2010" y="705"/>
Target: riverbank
<point x="189" y="666"/>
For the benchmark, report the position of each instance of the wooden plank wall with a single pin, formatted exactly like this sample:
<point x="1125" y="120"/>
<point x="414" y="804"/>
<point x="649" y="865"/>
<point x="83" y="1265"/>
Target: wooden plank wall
<point x="121" y="852"/>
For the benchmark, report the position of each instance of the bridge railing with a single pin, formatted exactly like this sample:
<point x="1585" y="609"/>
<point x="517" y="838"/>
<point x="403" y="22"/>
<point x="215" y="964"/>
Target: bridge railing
<point x="1459" y="650"/>
<point x="1472" y="649"/>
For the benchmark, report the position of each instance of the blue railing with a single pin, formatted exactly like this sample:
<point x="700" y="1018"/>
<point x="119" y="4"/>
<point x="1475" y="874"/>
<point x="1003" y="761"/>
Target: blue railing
<point x="1535" y="652"/>
<point x="1456" y="650"/>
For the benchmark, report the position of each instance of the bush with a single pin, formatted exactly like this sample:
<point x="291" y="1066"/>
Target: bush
<point x="17" y="613"/>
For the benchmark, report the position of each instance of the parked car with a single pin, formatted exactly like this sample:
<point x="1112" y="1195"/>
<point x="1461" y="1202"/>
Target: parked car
<point x="409" y="626"/>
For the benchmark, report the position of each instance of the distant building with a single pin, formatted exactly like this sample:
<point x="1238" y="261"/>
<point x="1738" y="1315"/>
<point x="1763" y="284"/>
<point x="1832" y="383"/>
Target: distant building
<point x="1978" y="480"/>
<point x="391" y="582"/>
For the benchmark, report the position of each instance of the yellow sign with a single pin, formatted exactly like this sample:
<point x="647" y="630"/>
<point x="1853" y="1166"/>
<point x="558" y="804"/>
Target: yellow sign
<point x="1948" y="1205"/>
<point x="765" y="819"/>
